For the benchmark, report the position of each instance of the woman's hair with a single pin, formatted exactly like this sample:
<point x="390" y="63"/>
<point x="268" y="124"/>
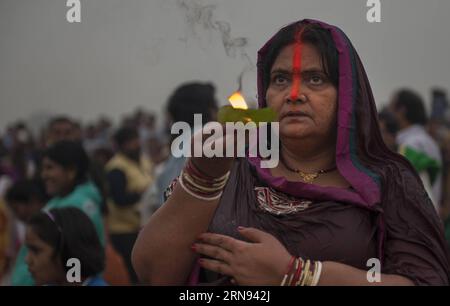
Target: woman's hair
<point x="413" y="104"/>
<point x="72" y="234"/>
<point x="312" y="34"/>
<point x="70" y="155"/>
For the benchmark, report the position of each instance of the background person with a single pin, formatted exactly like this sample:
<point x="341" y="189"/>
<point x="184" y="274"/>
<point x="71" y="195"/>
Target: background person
<point x="57" y="235"/>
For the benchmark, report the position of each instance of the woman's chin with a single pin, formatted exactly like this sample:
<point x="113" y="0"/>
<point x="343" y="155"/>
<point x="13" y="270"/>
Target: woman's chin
<point x="295" y="131"/>
<point x="52" y="191"/>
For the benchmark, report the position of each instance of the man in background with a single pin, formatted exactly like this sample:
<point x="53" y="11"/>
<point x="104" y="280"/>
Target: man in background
<point x="186" y="101"/>
<point x="416" y="144"/>
<point x="128" y="176"/>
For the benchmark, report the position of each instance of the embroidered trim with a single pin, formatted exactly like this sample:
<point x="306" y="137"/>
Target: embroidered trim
<point x="267" y="199"/>
<point x="169" y="190"/>
<point x="278" y="203"/>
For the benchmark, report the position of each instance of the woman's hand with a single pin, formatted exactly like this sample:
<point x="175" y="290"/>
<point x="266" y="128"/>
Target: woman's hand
<point x="261" y="262"/>
<point x="229" y="144"/>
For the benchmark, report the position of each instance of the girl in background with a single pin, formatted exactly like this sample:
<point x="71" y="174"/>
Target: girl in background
<point x="53" y="237"/>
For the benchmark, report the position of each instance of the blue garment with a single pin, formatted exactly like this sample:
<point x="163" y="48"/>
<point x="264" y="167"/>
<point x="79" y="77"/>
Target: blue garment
<point x="96" y="281"/>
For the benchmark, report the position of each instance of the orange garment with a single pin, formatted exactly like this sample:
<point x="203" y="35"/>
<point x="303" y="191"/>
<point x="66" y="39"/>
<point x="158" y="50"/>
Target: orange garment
<point x="116" y="273"/>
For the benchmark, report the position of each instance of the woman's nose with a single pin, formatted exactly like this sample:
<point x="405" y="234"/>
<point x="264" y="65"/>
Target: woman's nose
<point x="296" y="92"/>
<point x="296" y="99"/>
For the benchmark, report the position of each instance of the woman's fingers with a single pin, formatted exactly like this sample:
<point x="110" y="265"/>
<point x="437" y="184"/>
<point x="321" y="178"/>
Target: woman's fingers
<point x="216" y="266"/>
<point x="213" y="251"/>
<point x="225" y="242"/>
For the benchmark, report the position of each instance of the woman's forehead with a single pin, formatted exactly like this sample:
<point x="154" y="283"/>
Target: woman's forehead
<point x="310" y="58"/>
<point x="32" y="238"/>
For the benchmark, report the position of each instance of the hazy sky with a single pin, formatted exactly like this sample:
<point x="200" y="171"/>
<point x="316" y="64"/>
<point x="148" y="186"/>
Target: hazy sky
<point x="130" y="53"/>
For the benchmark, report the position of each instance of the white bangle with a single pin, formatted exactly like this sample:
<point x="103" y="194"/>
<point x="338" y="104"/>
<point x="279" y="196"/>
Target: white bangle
<point x="317" y="275"/>
<point x="180" y="180"/>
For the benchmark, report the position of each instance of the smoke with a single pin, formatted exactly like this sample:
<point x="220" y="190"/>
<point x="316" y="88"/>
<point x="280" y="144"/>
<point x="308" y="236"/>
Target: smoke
<point x="201" y="16"/>
<point x="201" y="22"/>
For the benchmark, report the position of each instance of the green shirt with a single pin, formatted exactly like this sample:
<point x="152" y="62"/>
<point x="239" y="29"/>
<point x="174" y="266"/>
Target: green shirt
<point x="87" y="198"/>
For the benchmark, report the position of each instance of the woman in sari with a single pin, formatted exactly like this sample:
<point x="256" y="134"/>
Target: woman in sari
<point x="338" y="201"/>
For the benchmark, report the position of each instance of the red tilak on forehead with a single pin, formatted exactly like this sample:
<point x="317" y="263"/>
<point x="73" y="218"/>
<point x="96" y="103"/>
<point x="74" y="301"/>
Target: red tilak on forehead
<point x="296" y="65"/>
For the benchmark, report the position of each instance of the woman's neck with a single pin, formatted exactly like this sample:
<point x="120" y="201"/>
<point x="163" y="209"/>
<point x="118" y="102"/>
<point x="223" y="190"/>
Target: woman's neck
<point x="308" y="158"/>
<point x="67" y="191"/>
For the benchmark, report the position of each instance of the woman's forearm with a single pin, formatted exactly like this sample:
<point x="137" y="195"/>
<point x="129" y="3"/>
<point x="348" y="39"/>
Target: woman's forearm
<point x="337" y="274"/>
<point x="162" y="253"/>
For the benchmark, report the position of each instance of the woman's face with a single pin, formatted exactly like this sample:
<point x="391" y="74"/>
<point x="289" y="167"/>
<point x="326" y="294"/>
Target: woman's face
<point x="57" y="179"/>
<point x="43" y="265"/>
<point x="315" y="117"/>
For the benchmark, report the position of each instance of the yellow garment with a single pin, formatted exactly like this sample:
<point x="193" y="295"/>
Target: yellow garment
<point x="127" y="219"/>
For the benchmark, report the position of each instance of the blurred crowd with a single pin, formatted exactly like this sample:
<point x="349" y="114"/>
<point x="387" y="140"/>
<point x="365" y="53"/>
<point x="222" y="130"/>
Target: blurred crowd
<point x="115" y="175"/>
<point x="423" y="139"/>
<point x="84" y="191"/>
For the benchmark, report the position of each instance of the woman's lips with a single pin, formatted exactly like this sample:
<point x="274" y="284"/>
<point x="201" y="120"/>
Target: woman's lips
<point x="294" y="114"/>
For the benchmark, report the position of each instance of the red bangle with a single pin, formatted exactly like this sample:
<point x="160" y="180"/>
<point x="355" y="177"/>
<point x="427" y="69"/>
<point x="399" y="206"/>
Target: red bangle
<point x="291" y="263"/>
<point x="194" y="168"/>
<point x="297" y="273"/>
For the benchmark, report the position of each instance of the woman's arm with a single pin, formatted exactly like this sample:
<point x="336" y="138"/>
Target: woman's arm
<point x="162" y="254"/>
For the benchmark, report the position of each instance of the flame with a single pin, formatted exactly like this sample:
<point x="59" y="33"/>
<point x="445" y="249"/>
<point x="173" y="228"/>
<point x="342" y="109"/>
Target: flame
<point x="238" y="101"/>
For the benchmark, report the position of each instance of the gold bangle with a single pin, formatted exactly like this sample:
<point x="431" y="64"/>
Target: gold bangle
<point x="311" y="275"/>
<point x="218" y="183"/>
<point x="308" y="263"/>
<point x="223" y="177"/>
<point x="317" y="274"/>
<point x="188" y="178"/>
<point x="302" y="273"/>
<point x="213" y="182"/>
<point x="283" y="282"/>
<point x="206" y="179"/>
<point x="198" y="197"/>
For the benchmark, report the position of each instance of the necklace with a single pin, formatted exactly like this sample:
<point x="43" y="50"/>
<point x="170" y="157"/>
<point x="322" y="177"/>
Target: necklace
<point x="306" y="176"/>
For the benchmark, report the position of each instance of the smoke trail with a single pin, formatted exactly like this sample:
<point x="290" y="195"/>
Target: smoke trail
<point x="201" y="15"/>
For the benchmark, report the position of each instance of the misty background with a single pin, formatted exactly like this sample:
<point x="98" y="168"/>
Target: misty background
<point x="133" y="53"/>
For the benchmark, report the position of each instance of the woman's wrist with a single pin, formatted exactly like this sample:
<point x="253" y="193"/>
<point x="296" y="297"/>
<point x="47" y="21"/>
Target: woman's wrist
<point x="200" y="184"/>
<point x="214" y="167"/>
<point x="300" y="272"/>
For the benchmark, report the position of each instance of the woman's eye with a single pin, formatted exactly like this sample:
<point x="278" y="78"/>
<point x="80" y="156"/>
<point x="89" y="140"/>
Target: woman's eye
<point x="316" y="80"/>
<point x="280" y="80"/>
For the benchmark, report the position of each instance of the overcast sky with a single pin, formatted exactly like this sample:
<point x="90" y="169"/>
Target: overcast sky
<point x="130" y="53"/>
